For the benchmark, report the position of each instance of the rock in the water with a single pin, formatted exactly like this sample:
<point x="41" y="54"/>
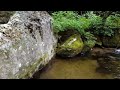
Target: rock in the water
<point x="71" y="47"/>
<point x="117" y="51"/>
<point x="101" y="52"/>
<point x="110" y="64"/>
<point x="26" y="42"/>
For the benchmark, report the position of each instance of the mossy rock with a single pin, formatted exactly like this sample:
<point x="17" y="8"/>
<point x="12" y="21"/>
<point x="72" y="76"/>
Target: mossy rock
<point x="71" y="47"/>
<point x="113" y="41"/>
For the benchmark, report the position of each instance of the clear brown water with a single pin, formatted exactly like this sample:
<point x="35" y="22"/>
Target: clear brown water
<point x="74" y="68"/>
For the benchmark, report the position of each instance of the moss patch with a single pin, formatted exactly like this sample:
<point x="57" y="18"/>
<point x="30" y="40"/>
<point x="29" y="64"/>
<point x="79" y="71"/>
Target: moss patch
<point x="71" y="47"/>
<point x="31" y="69"/>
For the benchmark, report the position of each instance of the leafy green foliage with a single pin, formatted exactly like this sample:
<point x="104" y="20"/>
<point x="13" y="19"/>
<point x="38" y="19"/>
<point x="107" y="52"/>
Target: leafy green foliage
<point x="102" y="30"/>
<point x="89" y="24"/>
<point x="113" y="21"/>
<point x="93" y="19"/>
<point x="90" y="43"/>
<point x="98" y="28"/>
<point x="110" y="22"/>
<point x="65" y="20"/>
<point x="90" y="39"/>
<point x="88" y="36"/>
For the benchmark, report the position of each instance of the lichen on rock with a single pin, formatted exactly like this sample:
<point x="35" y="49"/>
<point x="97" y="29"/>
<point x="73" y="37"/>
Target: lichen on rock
<point x="24" y="40"/>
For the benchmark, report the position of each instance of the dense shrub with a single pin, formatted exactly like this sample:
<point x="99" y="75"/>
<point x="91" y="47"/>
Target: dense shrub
<point x="110" y="22"/>
<point x="89" y="24"/>
<point x="67" y="20"/>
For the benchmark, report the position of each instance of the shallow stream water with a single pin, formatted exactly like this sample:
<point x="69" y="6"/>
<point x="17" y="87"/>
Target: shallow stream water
<point x="72" y="68"/>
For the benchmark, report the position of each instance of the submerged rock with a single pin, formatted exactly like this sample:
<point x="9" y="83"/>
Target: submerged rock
<point x="71" y="47"/>
<point x="110" y="64"/>
<point x="101" y="52"/>
<point x="26" y="43"/>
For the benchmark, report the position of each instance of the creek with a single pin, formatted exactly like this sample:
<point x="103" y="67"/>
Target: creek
<point x="72" y="68"/>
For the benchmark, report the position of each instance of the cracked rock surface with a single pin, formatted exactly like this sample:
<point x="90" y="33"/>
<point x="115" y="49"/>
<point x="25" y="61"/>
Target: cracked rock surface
<point x="26" y="42"/>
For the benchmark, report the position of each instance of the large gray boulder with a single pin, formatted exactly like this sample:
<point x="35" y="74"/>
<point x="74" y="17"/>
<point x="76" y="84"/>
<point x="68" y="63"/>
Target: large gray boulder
<point x="26" y="43"/>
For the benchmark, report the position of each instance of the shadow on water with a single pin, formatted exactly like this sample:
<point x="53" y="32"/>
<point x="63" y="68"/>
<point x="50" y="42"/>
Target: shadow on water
<point x="72" y="68"/>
